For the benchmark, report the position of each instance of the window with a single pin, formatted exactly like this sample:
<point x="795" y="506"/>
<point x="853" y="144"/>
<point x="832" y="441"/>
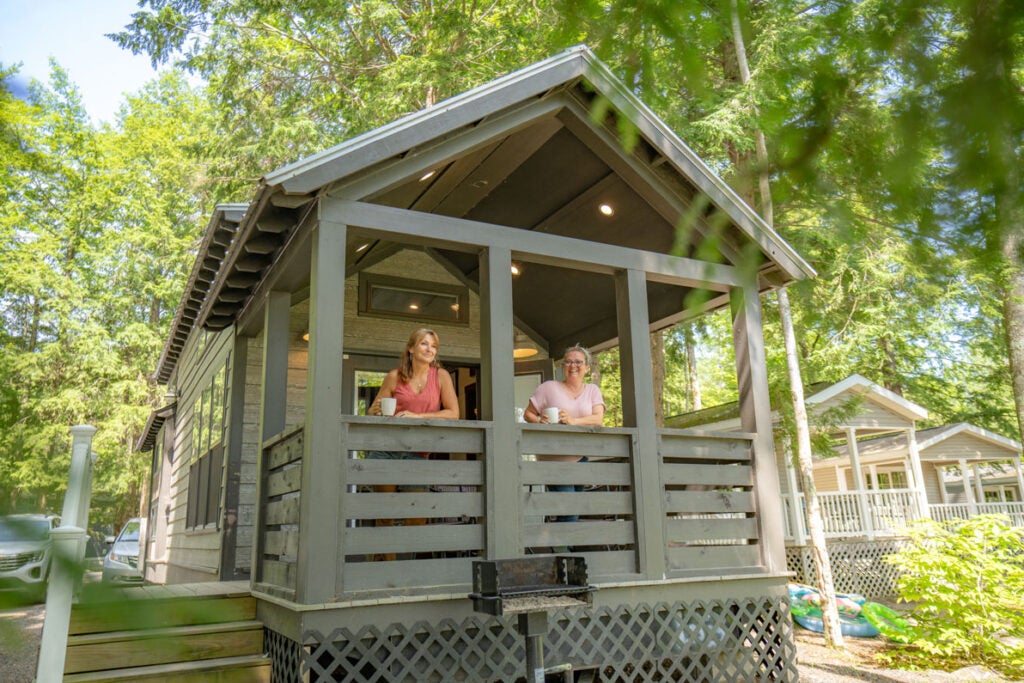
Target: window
<point x="206" y="469"/>
<point x="394" y="297"/>
<point x="889" y="480"/>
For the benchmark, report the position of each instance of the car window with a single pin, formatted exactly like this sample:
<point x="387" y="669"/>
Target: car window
<point x="24" y="529"/>
<point x="130" y="532"/>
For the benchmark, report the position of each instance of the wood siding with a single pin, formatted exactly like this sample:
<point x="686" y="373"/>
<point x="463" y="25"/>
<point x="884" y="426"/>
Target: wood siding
<point x="871" y="415"/>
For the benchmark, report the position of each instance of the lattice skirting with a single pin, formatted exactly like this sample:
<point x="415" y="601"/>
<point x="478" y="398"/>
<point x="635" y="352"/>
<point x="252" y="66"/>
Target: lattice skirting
<point x="713" y="641"/>
<point x="857" y="566"/>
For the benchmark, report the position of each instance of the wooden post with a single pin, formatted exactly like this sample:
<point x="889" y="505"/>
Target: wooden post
<point x="497" y="403"/>
<point x="755" y="416"/>
<point x="858" y="484"/>
<point x="972" y="504"/>
<point x="639" y="411"/>
<point x="320" y="568"/>
<point x="978" y="488"/>
<point x="797" y="515"/>
<point x="918" y="472"/>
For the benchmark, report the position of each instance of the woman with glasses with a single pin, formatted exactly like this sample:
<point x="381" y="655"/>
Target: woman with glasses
<point x="578" y="402"/>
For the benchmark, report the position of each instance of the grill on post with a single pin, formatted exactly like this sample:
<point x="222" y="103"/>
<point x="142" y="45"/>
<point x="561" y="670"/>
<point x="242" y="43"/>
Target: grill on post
<point x="529" y="587"/>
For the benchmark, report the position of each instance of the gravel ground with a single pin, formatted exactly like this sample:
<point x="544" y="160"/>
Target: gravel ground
<point x="21" y="628"/>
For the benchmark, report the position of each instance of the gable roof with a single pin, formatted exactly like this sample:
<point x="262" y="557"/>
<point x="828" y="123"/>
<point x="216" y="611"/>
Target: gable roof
<point x="896" y="444"/>
<point x="521" y="152"/>
<point x="726" y="416"/>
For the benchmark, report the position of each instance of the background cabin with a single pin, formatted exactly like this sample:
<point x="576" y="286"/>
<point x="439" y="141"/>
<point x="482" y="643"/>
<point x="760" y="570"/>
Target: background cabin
<point x="881" y="475"/>
<point x="506" y="219"/>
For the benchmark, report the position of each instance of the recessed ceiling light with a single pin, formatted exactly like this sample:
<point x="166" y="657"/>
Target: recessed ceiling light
<point x="414" y="307"/>
<point x="428" y="175"/>
<point x="606" y="209"/>
<point x="515" y="269"/>
<point x="362" y="247"/>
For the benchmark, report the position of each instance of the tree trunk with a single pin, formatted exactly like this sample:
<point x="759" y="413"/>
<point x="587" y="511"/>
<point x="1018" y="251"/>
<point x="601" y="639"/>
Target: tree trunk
<point x="658" y="374"/>
<point x="1013" y="317"/>
<point x="822" y="563"/>
<point x="692" y="381"/>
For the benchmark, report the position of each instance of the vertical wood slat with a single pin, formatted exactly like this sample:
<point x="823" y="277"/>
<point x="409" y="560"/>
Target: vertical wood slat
<point x="638" y="410"/>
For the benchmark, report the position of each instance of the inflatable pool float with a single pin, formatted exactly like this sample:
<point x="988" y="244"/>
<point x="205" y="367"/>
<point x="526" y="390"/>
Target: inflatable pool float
<point x="888" y="621"/>
<point x="805" y="605"/>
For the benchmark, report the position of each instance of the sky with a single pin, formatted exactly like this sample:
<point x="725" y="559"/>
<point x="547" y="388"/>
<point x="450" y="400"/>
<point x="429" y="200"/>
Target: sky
<point x="72" y="32"/>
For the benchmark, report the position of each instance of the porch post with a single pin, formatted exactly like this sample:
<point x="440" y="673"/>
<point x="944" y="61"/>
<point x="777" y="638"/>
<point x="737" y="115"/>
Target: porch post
<point x="1020" y="477"/>
<point x="978" y="488"/>
<point x="797" y="515"/>
<point x="965" y="475"/>
<point x="756" y="417"/>
<point x="497" y="404"/>
<point x="638" y="410"/>
<point x="918" y="472"/>
<point x="943" y="493"/>
<point x="273" y="402"/>
<point x="319" y="571"/>
<point x="858" y="484"/>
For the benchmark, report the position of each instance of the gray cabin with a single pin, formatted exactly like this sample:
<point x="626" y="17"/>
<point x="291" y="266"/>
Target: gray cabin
<point x="512" y="221"/>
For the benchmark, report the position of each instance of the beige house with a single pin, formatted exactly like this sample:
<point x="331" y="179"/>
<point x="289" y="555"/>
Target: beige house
<point x="507" y="219"/>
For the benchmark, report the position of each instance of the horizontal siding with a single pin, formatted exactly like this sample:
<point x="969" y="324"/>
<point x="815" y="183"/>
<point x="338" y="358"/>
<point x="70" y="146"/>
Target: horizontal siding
<point x="870" y="415"/>
<point x="966" y="446"/>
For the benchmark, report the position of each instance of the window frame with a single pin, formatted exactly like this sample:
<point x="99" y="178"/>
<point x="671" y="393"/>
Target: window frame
<point x="369" y="281"/>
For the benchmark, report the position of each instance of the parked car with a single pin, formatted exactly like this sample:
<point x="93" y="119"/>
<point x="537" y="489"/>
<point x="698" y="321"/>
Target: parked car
<point x="25" y="552"/>
<point x="121" y="565"/>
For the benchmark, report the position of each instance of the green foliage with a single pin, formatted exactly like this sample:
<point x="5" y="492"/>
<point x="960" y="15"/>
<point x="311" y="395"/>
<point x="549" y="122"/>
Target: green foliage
<point x="965" y="581"/>
<point x="96" y="227"/>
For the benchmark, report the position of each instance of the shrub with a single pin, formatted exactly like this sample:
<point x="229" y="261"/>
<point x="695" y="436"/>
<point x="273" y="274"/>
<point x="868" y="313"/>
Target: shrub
<point x="965" y="580"/>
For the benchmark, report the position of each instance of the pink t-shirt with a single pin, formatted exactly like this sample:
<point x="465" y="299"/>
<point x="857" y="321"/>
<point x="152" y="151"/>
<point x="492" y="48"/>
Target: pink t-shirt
<point x="427" y="401"/>
<point x="553" y="393"/>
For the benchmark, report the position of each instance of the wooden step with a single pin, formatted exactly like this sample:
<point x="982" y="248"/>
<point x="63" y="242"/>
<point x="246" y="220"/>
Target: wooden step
<point x="136" y="614"/>
<point x="243" y="669"/>
<point x="148" y="647"/>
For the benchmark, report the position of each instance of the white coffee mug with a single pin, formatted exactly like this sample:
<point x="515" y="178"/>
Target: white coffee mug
<point x="552" y="415"/>
<point x="388" y="405"/>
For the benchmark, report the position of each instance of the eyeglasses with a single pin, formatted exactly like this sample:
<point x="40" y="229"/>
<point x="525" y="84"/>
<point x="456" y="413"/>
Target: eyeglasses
<point x="576" y="363"/>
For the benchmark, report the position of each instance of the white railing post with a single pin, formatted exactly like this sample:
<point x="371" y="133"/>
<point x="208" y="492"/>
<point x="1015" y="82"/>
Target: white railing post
<point x="66" y="558"/>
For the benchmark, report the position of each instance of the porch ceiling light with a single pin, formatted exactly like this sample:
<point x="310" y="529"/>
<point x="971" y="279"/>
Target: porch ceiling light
<point x="523" y="348"/>
<point x="516" y="269"/>
<point x="606" y="209"/>
<point x="428" y="175"/>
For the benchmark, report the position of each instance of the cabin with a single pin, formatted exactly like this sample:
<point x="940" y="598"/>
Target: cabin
<point x="545" y="208"/>
<point x="882" y="474"/>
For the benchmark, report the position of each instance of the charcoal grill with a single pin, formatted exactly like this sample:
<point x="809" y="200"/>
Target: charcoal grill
<point x="528" y="587"/>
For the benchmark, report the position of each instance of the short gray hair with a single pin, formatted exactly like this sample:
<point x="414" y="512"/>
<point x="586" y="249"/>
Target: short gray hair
<point x="582" y="349"/>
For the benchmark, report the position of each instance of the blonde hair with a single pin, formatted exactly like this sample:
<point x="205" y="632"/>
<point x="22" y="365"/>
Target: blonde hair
<point x="405" y="362"/>
<point x="581" y="349"/>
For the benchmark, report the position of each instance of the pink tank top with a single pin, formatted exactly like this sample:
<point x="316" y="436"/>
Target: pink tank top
<point x="427" y="401"/>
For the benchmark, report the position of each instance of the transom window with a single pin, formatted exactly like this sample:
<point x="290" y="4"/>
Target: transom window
<point x="394" y="297"/>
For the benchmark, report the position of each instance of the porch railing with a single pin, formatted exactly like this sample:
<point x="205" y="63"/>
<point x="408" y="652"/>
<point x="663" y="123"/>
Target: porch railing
<point x="416" y="523"/>
<point x="848" y="514"/>
<point x="952" y="511"/>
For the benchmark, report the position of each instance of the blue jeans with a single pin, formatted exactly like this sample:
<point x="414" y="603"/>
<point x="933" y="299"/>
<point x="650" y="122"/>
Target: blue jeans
<point x="565" y="488"/>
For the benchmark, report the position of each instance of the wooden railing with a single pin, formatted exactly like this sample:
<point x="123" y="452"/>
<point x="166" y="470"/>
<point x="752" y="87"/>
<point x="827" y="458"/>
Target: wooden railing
<point x="953" y="511"/>
<point x="413" y="523"/>
<point x="848" y="514"/>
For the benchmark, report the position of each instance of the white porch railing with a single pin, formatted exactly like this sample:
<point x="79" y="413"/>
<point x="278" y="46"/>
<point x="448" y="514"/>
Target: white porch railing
<point x="953" y="511"/>
<point x="848" y="514"/>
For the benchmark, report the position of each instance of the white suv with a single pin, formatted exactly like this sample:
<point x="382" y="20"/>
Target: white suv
<point x="25" y="551"/>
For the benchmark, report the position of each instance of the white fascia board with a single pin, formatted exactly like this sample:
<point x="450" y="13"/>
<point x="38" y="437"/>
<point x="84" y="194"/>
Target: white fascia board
<point x="860" y="385"/>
